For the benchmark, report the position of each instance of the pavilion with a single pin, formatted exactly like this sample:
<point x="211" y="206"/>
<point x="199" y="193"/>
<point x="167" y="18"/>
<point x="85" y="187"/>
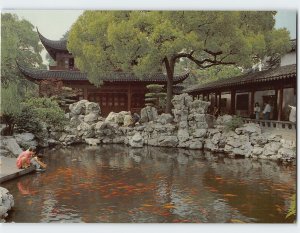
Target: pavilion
<point x="237" y="95"/>
<point x="120" y="91"/>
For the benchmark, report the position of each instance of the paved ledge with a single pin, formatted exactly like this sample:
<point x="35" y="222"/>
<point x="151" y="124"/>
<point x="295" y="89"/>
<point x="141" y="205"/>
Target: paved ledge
<point x="9" y="170"/>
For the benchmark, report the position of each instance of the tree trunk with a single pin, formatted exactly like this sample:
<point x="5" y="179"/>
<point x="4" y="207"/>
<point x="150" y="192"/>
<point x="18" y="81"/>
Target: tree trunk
<point x="170" y="74"/>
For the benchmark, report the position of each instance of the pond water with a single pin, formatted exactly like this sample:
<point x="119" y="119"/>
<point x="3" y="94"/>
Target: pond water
<point x="114" y="183"/>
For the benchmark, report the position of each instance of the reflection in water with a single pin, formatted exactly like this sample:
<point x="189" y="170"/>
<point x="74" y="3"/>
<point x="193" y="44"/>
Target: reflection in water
<point x="114" y="183"/>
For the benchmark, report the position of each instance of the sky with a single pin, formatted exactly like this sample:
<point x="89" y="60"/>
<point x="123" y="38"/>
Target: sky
<point x="54" y="23"/>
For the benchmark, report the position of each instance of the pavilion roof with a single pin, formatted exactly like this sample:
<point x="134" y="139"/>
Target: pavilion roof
<point x="259" y="78"/>
<point x="69" y="75"/>
<point x="53" y="46"/>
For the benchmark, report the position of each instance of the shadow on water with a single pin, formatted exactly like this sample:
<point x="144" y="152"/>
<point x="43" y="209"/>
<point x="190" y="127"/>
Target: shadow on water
<point x="114" y="183"/>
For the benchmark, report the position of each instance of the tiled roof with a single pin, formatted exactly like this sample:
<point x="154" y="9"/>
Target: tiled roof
<point x="53" y="46"/>
<point x="68" y="75"/>
<point x="282" y="72"/>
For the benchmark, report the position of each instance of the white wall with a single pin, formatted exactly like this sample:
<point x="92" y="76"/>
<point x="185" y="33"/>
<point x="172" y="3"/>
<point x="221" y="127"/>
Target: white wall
<point x="288" y="59"/>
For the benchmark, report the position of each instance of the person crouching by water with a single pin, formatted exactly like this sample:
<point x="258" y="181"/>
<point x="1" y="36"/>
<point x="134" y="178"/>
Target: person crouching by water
<point x="257" y="110"/>
<point x="28" y="158"/>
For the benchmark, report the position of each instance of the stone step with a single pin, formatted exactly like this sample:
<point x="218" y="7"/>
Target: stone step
<point x="9" y="170"/>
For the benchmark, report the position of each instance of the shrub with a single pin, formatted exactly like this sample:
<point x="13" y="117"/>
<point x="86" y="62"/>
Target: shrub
<point x="234" y="123"/>
<point x="10" y="106"/>
<point x="36" y="111"/>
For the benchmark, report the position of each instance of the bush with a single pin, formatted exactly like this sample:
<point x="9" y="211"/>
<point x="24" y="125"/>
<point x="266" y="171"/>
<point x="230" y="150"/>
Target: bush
<point x="36" y="111"/>
<point x="10" y="106"/>
<point x="234" y="123"/>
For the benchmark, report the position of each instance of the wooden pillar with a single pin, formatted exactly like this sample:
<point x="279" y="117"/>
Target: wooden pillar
<point x="129" y="93"/>
<point x="280" y="104"/>
<point x="252" y="101"/>
<point x="85" y="93"/>
<point x="232" y="102"/>
<point x="216" y="99"/>
<point x="220" y="97"/>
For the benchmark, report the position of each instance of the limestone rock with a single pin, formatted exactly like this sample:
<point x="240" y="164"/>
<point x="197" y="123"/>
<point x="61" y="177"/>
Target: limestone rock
<point x="43" y="136"/>
<point x="136" y="140"/>
<point x="181" y="101"/>
<point x="195" y="144"/>
<point x="78" y="108"/>
<point x="287" y="154"/>
<point x="90" y="118"/>
<point x="6" y="203"/>
<point x="183" y="135"/>
<point x="128" y="120"/>
<point x="165" y="118"/>
<point x="168" y="141"/>
<point x="68" y="139"/>
<point x="148" y="114"/>
<point x="10" y="144"/>
<point x="223" y="119"/>
<point x="117" y="118"/>
<point x="199" y="106"/>
<point x="26" y="140"/>
<point x="249" y="128"/>
<point x="210" y="146"/>
<point x="92" y="141"/>
<point x="271" y="148"/>
<point x="200" y="133"/>
<point x="257" y="150"/>
<point x="92" y="108"/>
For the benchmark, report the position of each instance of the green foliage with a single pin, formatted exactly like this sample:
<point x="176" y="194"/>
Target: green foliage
<point x="147" y="42"/>
<point x="234" y="123"/>
<point x="293" y="207"/>
<point x="18" y="42"/>
<point x="211" y="74"/>
<point x="10" y="105"/>
<point x="156" y="97"/>
<point x="36" y="111"/>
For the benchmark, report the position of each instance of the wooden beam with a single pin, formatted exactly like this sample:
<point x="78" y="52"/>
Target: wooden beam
<point x="280" y="104"/>
<point x="129" y="93"/>
<point x="252" y="101"/>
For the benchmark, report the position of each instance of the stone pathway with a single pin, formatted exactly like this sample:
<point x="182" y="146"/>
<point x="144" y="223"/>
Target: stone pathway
<point x="9" y="170"/>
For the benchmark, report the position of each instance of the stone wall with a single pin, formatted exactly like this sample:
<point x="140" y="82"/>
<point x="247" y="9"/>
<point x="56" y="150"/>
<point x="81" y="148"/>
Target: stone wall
<point x="188" y="127"/>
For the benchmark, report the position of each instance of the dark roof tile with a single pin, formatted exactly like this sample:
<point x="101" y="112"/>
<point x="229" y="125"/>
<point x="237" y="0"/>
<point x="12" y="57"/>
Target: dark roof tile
<point x="68" y="75"/>
<point x="281" y="72"/>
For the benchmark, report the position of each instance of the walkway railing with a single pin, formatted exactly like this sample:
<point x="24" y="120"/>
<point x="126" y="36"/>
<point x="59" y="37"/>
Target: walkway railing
<point x="286" y="125"/>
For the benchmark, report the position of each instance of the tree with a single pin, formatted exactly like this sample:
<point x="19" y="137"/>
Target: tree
<point x="156" y="95"/>
<point x="10" y="106"/>
<point x="147" y="42"/>
<point x="18" y="42"/>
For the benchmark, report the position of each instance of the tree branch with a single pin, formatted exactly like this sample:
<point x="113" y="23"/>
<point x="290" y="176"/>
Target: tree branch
<point x="203" y="63"/>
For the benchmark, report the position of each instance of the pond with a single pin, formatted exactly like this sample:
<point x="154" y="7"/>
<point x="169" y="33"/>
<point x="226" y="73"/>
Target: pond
<point x="114" y="183"/>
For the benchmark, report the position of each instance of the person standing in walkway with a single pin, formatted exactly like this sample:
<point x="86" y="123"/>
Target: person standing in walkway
<point x="267" y="111"/>
<point x="257" y="110"/>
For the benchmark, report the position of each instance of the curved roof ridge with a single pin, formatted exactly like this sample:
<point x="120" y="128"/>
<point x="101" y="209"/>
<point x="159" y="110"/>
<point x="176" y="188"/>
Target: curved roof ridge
<point x="73" y="75"/>
<point x="52" y="46"/>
